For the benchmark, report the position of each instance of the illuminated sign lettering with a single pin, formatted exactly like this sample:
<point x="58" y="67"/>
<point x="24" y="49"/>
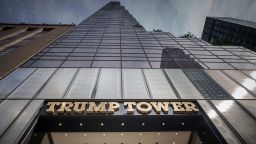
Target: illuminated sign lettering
<point x="112" y="107"/>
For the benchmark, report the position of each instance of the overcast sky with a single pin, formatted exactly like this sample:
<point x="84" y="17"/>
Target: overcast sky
<point x="175" y="16"/>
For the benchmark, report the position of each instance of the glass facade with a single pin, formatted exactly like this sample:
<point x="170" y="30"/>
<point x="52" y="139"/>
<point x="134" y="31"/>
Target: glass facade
<point x="111" y="57"/>
<point x="112" y="38"/>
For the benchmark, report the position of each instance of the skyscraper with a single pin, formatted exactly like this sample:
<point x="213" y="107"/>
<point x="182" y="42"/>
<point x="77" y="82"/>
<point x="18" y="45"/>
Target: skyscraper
<point x="108" y="80"/>
<point x="230" y="31"/>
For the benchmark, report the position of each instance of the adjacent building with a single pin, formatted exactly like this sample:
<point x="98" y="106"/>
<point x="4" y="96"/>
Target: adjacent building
<point x="230" y="31"/>
<point x="19" y="42"/>
<point x="108" y="80"/>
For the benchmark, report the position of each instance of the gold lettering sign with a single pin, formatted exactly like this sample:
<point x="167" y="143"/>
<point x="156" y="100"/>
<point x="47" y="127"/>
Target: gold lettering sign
<point x="190" y="107"/>
<point x="101" y="108"/>
<point x="160" y="106"/>
<point x="65" y="107"/>
<point x="79" y="107"/>
<point x="177" y="107"/>
<point x="52" y="106"/>
<point x="144" y="107"/>
<point x="130" y="107"/>
<point x="112" y="107"/>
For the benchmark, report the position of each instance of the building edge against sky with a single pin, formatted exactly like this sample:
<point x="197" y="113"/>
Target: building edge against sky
<point x="110" y="57"/>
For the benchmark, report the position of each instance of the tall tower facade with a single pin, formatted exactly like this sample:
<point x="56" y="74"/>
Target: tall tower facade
<point x="108" y="80"/>
<point x="112" y="38"/>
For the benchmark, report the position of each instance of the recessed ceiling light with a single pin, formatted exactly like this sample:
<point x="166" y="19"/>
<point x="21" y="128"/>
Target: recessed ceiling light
<point x="104" y="134"/>
<point x="60" y="124"/>
<point x="122" y="124"/>
<point x="102" y="124"/>
<point x="142" y="124"/>
<point x="158" y="133"/>
<point x="163" y="123"/>
<point x="122" y="134"/>
<point x="140" y="134"/>
<point x="182" y="123"/>
<point x="66" y="134"/>
<point x="81" y="124"/>
<point x="84" y="134"/>
<point x="176" y="133"/>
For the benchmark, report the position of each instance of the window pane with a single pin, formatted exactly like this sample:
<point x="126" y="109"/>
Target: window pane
<point x="109" y="85"/>
<point x="9" y="110"/>
<point x="251" y="74"/>
<point x="21" y="123"/>
<point x="238" y="118"/>
<point x="218" y="66"/>
<point x="183" y="85"/>
<point x="242" y="79"/>
<point x="58" y="84"/>
<point x="158" y="85"/>
<point x="134" y="85"/>
<point x="10" y="82"/>
<point x="46" y="63"/>
<point x="249" y="105"/>
<point x="218" y="122"/>
<point x="30" y="87"/>
<point x="109" y="64"/>
<point x="135" y="64"/>
<point x="221" y="53"/>
<point x="230" y="86"/>
<point x="70" y="64"/>
<point x="245" y="66"/>
<point x="83" y="84"/>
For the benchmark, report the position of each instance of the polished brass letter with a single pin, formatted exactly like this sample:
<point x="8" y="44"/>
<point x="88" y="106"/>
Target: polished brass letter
<point x="101" y="108"/>
<point x="79" y="107"/>
<point x="113" y="106"/>
<point x="129" y="106"/>
<point x="51" y="107"/>
<point x="177" y="107"/>
<point x="190" y="107"/>
<point x="65" y="107"/>
<point x="144" y="107"/>
<point x="158" y="106"/>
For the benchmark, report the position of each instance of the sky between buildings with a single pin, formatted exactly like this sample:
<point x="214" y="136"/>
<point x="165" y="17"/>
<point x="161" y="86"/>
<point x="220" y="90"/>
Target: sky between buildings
<point x="174" y="16"/>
